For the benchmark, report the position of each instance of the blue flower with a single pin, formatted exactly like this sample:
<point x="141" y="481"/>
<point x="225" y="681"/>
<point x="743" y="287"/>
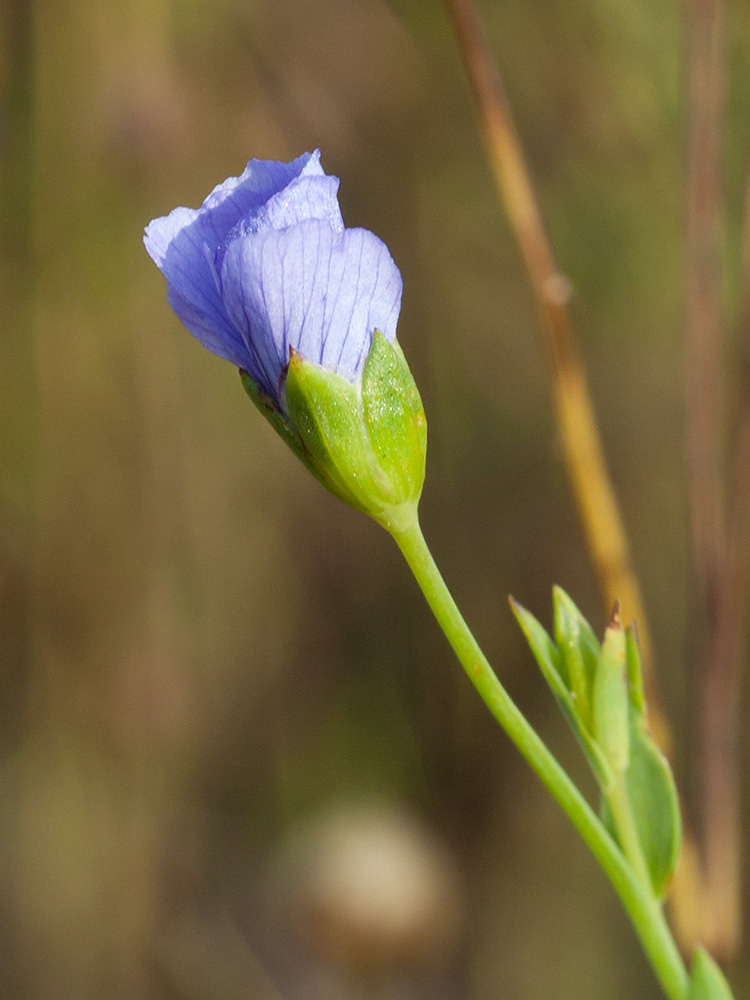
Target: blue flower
<point x="265" y="267"/>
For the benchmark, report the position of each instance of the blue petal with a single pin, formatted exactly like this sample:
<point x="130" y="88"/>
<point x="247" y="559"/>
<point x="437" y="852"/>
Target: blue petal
<point x="223" y="340"/>
<point x="260" y="180"/>
<point x="192" y="286"/>
<point x="304" y="198"/>
<point x="184" y="243"/>
<point x="308" y="288"/>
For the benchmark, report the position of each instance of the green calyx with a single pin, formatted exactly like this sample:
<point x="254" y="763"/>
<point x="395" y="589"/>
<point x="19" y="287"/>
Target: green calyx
<point x="366" y="441"/>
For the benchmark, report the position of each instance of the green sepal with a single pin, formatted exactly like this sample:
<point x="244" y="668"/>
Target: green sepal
<point x="282" y="426"/>
<point x="654" y="803"/>
<point x="276" y="419"/>
<point x="609" y="701"/>
<point x="394" y="417"/>
<point x="550" y="661"/>
<point x="364" y="440"/>
<point x="325" y="411"/>
<point x="707" y="981"/>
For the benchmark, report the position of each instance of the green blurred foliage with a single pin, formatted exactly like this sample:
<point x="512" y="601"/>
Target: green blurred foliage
<point x="199" y="648"/>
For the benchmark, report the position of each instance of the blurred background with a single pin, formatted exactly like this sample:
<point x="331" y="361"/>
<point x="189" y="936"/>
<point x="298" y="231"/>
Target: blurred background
<point x="238" y="759"/>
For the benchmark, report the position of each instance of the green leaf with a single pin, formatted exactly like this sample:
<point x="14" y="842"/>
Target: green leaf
<point x="579" y="650"/>
<point x="655" y="804"/>
<point x="707" y="981"/>
<point x="545" y="651"/>
<point x="549" y="659"/>
<point x="635" y="669"/>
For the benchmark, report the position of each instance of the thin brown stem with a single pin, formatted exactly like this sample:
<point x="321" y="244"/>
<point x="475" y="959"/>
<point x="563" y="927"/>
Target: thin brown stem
<point x="721" y="550"/>
<point x="582" y="446"/>
<point x="703" y="325"/>
<point x="721" y="682"/>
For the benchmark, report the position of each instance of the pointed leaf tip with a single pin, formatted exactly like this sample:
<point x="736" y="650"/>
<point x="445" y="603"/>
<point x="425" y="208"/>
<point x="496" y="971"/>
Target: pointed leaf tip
<point x="551" y="662"/>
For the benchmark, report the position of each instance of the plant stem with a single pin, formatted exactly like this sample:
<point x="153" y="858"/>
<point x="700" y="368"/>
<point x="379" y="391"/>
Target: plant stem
<point x="643" y="909"/>
<point x="719" y="528"/>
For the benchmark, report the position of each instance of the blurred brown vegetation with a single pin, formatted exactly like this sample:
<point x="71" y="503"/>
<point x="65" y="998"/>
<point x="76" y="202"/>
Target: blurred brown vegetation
<point x="201" y="653"/>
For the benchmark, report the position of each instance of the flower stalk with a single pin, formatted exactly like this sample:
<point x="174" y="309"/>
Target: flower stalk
<point x="643" y="908"/>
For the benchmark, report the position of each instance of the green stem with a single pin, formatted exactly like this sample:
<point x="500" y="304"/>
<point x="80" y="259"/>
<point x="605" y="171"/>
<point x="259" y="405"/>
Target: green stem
<point x="644" y="910"/>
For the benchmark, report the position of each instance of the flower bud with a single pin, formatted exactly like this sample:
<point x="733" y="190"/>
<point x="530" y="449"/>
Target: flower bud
<point x="266" y="275"/>
<point x="610" y="698"/>
<point x="364" y="440"/>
